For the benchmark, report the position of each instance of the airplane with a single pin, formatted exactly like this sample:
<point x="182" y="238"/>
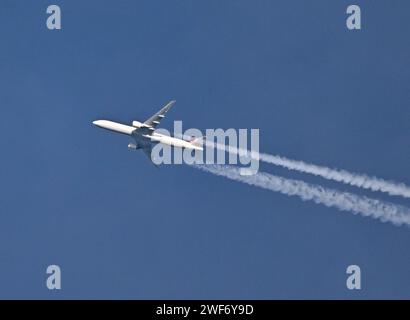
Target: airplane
<point x="145" y="136"/>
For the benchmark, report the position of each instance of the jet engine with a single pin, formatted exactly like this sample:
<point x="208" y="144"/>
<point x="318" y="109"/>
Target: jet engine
<point x="132" y="146"/>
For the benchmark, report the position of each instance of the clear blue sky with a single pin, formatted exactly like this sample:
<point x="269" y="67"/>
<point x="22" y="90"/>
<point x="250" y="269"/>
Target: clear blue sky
<point x="73" y="195"/>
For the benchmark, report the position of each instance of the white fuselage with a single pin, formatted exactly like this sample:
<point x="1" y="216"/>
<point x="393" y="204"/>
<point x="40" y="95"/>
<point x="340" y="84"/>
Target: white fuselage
<point x="153" y="137"/>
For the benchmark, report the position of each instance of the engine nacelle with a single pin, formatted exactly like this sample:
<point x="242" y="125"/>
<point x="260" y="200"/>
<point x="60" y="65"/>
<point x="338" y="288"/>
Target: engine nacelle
<point x="137" y="124"/>
<point x="132" y="146"/>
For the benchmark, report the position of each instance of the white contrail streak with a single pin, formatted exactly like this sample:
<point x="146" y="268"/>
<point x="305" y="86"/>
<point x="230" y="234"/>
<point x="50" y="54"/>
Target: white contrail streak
<point x="353" y="179"/>
<point x="344" y="201"/>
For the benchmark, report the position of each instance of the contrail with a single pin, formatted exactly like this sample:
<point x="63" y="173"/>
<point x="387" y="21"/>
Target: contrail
<point x="353" y="179"/>
<point x="344" y="201"/>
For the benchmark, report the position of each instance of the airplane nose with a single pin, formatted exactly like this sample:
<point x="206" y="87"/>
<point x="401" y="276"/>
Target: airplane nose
<point x="96" y="122"/>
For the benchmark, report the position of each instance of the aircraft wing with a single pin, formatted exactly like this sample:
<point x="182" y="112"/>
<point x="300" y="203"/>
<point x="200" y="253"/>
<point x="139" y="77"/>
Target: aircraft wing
<point x="156" y="118"/>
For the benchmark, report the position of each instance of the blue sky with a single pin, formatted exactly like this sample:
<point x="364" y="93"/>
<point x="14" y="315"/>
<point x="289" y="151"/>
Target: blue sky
<point x="73" y="195"/>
